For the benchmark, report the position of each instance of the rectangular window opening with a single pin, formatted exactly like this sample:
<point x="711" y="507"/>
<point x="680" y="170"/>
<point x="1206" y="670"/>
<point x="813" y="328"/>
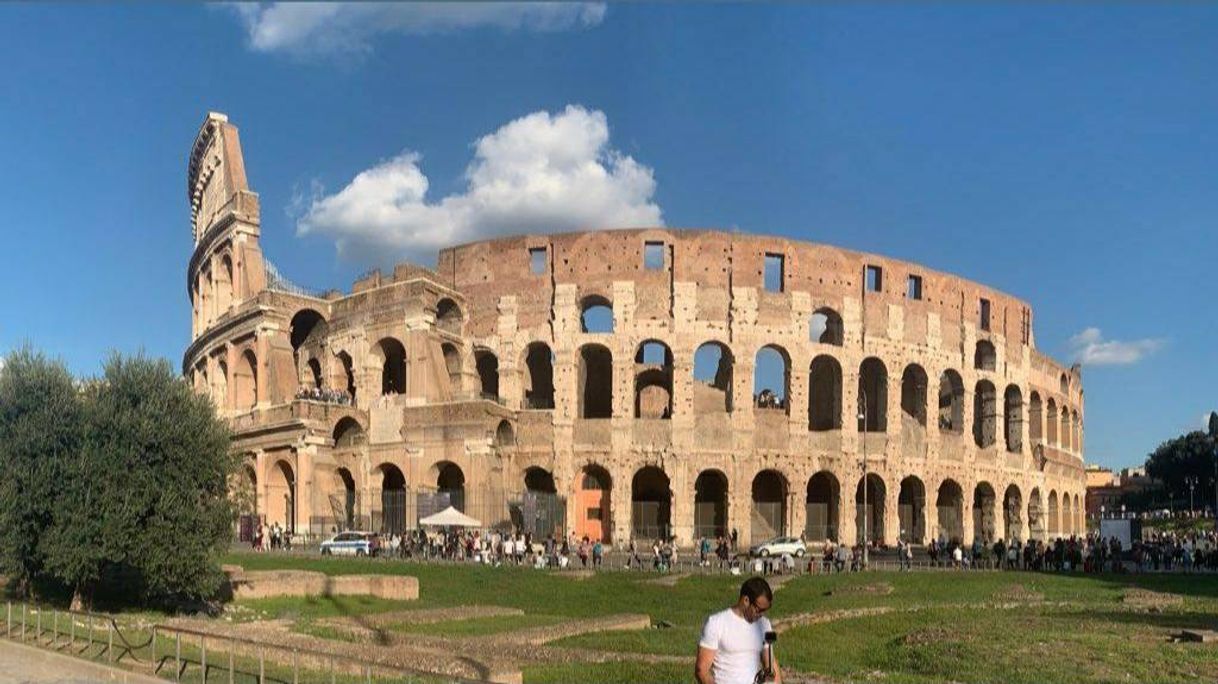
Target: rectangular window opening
<point x="915" y="287"/>
<point x="985" y="314"/>
<point x="875" y="279"/>
<point x="774" y="275"/>
<point x="537" y="260"/>
<point x="653" y="256"/>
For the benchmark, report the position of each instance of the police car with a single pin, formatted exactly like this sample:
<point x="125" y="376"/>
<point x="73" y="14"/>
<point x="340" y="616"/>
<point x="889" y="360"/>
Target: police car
<point x="352" y="544"/>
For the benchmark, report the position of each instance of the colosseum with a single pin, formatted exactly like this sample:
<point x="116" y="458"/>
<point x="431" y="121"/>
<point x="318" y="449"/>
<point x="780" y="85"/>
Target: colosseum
<point x="629" y="384"/>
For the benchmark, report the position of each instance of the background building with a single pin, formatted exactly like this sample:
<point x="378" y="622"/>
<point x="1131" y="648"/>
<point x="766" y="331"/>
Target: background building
<point x="630" y="383"/>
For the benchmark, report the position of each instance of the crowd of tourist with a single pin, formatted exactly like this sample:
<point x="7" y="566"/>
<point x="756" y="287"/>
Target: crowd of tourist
<point x="269" y="538"/>
<point x="324" y="394"/>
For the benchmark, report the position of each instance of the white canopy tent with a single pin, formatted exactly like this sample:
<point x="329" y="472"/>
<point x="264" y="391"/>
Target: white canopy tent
<point x="450" y="517"/>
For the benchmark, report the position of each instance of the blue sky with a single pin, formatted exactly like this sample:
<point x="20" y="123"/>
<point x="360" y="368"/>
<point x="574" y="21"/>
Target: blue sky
<point x="1067" y="155"/>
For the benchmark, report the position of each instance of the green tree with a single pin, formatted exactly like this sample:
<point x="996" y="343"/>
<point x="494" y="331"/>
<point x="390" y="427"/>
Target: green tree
<point x="1189" y="455"/>
<point x="41" y="431"/>
<point x="147" y="512"/>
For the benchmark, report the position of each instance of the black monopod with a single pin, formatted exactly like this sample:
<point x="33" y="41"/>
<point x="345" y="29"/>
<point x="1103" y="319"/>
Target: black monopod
<point x="766" y="673"/>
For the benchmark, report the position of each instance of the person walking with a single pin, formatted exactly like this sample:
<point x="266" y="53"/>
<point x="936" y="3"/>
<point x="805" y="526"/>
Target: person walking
<point x="730" y="650"/>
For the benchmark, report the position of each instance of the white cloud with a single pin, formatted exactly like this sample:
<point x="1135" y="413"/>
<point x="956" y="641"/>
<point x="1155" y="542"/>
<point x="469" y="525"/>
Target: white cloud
<point x="1090" y="348"/>
<point x="329" y="27"/>
<point x="540" y="173"/>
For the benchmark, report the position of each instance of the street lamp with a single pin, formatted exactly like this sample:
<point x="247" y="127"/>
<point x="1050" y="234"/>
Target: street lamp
<point x="1191" y="481"/>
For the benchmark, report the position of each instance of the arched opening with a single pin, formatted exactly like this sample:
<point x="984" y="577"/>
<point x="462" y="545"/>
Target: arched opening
<point x="712" y="378"/>
<point x="950" y="505"/>
<point x="504" y="435"/>
<point x="1036" y="516"/>
<point x="985" y="522"/>
<point x="1067" y="517"/>
<point x="771" y="378"/>
<point x="653" y="381"/>
<point x="221" y="385"/>
<point x="769" y="517"/>
<point x="306" y="325"/>
<point x="539" y="381"/>
<point x="224" y="285"/>
<point x="1080" y="517"/>
<point x="595" y="382"/>
<point x="452" y="367"/>
<point x="826" y="327"/>
<point x="869" y="507"/>
<point x="345" y="520"/>
<point x="450" y="480"/>
<point x="710" y="504"/>
<point x="245" y="381"/>
<point x="985" y="415"/>
<point x="873" y="396"/>
<point x="913" y="395"/>
<point x="348" y="433"/>
<point x="596" y="314"/>
<point x="248" y="496"/>
<point x="393" y="499"/>
<point x="393" y="366"/>
<point x="1054" y="522"/>
<point x="539" y="480"/>
<point x="951" y="402"/>
<point x="1012" y="411"/>
<point x="1051" y="423"/>
<point x="1065" y="384"/>
<point x="824" y="394"/>
<point x="448" y="316"/>
<point x="488" y="373"/>
<point x="347" y="369"/>
<point x="1012" y="507"/>
<point x="313" y="378"/>
<point x="822" y="507"/>
<point x="592" y="503"/>
<point x="281" y="496"/>
<point x="985" y="358"/>
<point x="1065" y="428"/>
<point x="1035" y="419"/>
<point x="911" y="510"/>
<point x="1076" y="438"/>
<point x="650" y="504"/>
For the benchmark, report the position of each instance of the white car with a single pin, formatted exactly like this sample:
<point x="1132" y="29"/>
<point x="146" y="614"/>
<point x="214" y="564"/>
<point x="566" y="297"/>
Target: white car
<point x="352" y="544"/>
<point x="778" y="546"/>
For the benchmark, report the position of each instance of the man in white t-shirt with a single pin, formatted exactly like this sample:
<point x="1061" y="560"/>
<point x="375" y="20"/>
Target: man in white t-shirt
<point x="730" y="650"/>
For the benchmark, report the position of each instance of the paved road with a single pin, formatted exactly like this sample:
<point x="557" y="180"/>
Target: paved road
<point x="28" y="665"/>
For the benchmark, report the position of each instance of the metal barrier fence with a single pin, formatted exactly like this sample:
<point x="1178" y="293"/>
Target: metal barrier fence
<point x="178" y="653"/>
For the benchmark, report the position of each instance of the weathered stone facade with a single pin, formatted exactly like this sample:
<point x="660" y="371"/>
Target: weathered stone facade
<point x="488" y="374"/>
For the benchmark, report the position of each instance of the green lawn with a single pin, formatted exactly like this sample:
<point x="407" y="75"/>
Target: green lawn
<point x="965" y="627"/>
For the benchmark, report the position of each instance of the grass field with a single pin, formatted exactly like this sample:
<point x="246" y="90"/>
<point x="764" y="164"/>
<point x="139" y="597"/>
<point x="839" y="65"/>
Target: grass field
<point x="889" y="627"/>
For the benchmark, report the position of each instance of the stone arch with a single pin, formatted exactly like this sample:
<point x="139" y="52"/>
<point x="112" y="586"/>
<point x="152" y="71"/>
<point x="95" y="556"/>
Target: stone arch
<point x="951" y="402"/>
<point x="249" y="481"/>
<point x="769" y="515"/>
<point x="1035" y="418"/>
<point x="950" y="507"/>
<point x="344" y="486"/>
<point x="1051" y="423"/>
<point x="1065" y="384"/>
<point x="911" y="510"/>
<point x="1012" y="411"/>
<point x="306" y="325"/>
<point x="710" y="504"/>
<point x="1012" y="506"/>
<point x="346" y="373"/>
<point x="1065" y="428"/>
<point x="1054" y="520"/>
<point x="348" y="433"/>
<point x="540" y="480"/>
<point x="539" y="380"/>
<point x="1036" y="515"/>
<point x="448" y="316"/>
<point x="391" y="354"/>
<point x="593" y="496"/>
<point x="985" y="357"/>
<point x="985" y="414"/>
<point x="487" y="365"/>
<point x="823" y="515"/>
<point x="650" y="504"/>
<point x="452" y="366"/>
<point x="595" y="381"/>
<point x="872" y="511"/>
<point x="505" y="436"/>
<point x="653" y="380"/>
<point x="222" y="384"/>
<point x="824" y="394"/>
<point x="985" y="519"/>
<point x="873" y="395"/>
<point x="393" y="499"/>
<point x="245" y="381"/>
<point x="596" y="314"/>
<point x="450" y="479"/>
<point x="281" y="495"/>
<point x="772" y="378"/>
<point x="713" y="364"/>
<point x="826" y="327"/>
<point x="225" y="295"/>
<point x="313" y="376"/>
<point x="1076" y="434"/>
<point x="913" y="394"/>
<point x="1066" y="526"/>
